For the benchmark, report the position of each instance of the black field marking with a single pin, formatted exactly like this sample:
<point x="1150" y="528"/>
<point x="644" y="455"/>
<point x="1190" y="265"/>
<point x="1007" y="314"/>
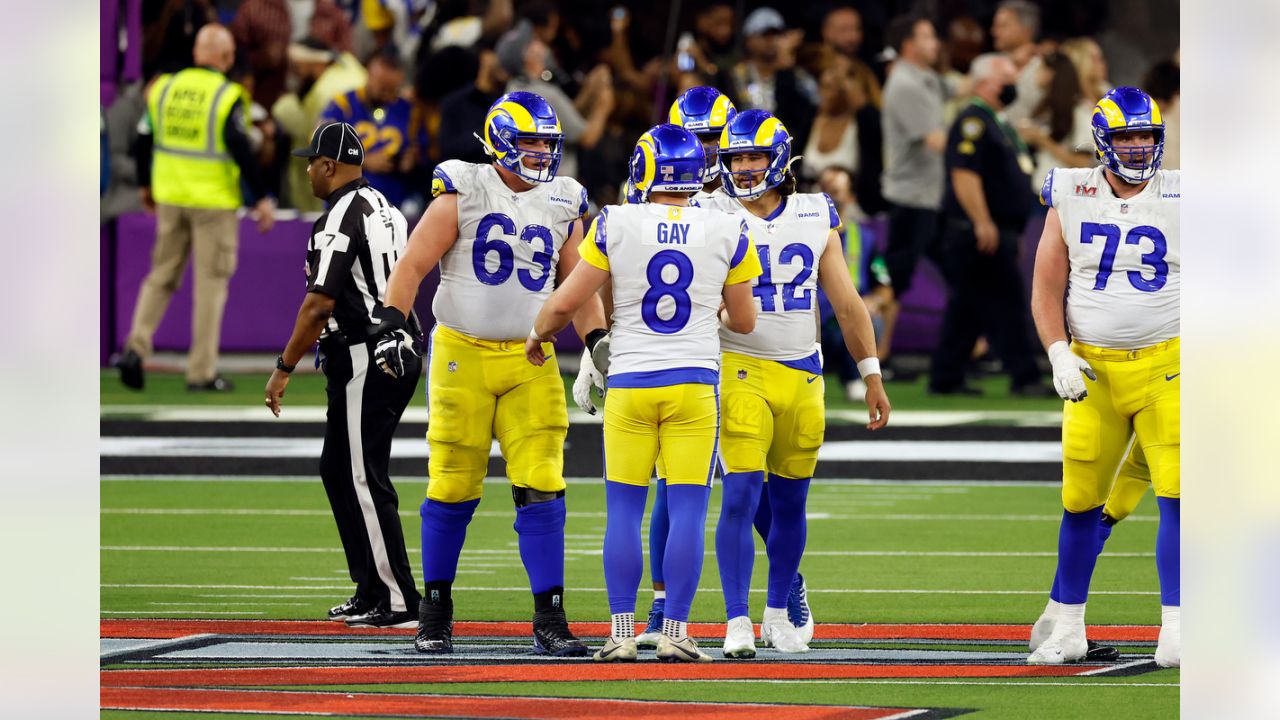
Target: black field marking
<point x="586" y="435"/>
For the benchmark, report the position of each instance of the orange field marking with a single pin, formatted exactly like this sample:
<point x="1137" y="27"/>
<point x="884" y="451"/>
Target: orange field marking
<point x="524" y="708"/>
<point x="166" y="629"/>
<point x="580" y="672"/>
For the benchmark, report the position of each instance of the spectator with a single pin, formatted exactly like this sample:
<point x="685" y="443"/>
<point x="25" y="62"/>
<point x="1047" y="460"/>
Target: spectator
<point x="201" y="153"/>
<point x="767" y="78"/>
<point x="463" y="111"/>
<point x="321" y="75"/>
<point x="833" y="140"/>
<point x="382" y="117"/>
<point x="1091" y="67"/>
<point x="842" y="32"/>
<point x="398" y="23"/>
<point x="263" y="30"/>
<point x="914" y="143"/>
<point x="582" y="119"/>
<point x="169" y="32"/>
<point x="1161" y="83"/>
<point x="458" y="24"/>
<point x="1060" y="125"/>
<point x="985" y="209"/>
<point x="713" y="33"/>
<point x="965" y="40"/>
<point x="1013" y="32"/>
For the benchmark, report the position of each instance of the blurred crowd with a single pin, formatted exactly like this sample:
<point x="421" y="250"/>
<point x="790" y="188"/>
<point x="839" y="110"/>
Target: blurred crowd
<point x="856" y="83"/>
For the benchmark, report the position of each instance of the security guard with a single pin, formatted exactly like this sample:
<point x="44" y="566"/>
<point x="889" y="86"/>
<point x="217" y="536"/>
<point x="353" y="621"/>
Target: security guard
<point x="985" y="209"/>
<point x="352" y="250"/>
<point x="196" y="127"/>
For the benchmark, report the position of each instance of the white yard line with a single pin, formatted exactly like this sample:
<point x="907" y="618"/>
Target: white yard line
<point x="474" y="588"/>
<point x="908" y="517"/>
<point x="517" y="564"/>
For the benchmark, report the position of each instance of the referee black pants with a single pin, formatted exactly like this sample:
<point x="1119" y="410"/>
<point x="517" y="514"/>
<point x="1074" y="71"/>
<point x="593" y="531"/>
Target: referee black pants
<point x="985" y="294"/>
<point x="365" y="405"/>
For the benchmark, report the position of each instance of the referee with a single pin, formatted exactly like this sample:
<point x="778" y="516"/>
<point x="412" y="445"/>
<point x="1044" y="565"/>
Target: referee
<point x="352" y="249"/>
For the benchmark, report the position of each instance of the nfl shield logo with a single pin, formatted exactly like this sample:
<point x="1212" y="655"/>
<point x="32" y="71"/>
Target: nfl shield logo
<point x="453" y="366"/>
<point x="742" y="374"/>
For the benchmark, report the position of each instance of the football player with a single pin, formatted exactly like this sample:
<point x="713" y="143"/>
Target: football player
<point x="1111" y="245"/>
<point x="502" y="234"/>
<point x="672" y="266"/>
<point x="771" y="378"/>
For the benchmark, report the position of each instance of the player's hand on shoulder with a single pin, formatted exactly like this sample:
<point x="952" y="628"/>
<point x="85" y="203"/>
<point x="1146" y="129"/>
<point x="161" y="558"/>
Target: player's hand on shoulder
<point x="1069" y="372"/>
<point x="394" y="343"/>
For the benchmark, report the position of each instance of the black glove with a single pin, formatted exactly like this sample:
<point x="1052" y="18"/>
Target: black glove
<point x="598" y="342"/>
<point x="394" y="341"/>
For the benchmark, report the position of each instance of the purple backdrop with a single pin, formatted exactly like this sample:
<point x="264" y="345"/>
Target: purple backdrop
<point x="269" y="284"/>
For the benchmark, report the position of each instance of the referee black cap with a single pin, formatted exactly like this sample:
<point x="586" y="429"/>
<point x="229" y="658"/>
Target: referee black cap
<point x="336" y="141"/>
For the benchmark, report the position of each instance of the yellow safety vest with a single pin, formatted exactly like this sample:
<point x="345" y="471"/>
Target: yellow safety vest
<point x="191" y="166"/>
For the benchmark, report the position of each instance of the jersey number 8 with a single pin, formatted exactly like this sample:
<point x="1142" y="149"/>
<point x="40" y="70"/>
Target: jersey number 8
<point x="484" y="246"/>
<point x="677" y="290"/>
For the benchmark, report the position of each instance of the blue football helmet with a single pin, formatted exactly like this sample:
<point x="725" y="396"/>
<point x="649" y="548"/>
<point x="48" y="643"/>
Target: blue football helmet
<point x="518" y="116"/>
<point x="667" y="158"/>
<point x="755" y="131"/>
<point x="1126" y="109"/>
<point x="704" y="111"/>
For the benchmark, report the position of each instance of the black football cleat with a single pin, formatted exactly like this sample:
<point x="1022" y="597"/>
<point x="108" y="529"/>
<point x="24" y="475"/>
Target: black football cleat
<point x="551" y="635"/>
<point x="129" y="363"/>
<point x="382" y="616"/>
<point x="435" y="627"/>
<point x="218" y="384"/>
<point x="1098" y="652"/>
<point x="351" y="608"/>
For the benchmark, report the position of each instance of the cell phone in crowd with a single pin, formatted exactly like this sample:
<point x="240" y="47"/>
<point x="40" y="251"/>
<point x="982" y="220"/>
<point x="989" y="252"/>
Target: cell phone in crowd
<point x="684" y="58"/>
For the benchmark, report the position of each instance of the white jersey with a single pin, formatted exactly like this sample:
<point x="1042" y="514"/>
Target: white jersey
<point x="790" y="243"/>
<point x="669" y="267"/>
<point x="1125" y="257"/>
<point x="502" y="268"/>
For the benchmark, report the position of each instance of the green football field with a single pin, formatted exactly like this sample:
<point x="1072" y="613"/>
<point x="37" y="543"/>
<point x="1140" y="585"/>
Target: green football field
<point x="923" y="592"/>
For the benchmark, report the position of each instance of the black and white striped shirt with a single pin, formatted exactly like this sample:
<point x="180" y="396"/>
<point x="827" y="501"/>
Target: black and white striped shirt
<point x="352" y="249"/>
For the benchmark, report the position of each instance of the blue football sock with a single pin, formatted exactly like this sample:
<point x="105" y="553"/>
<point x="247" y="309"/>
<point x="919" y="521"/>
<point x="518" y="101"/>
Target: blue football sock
<point x="1169" y="550"/>
<point x="764" y="516"/>
<point x="623" y="558"/>
<point x="687" y="507"/>
<point x="659" y="526"/>
<point x="787" y="536"/>
<point x="735" y="547"/>
<point x="541" y="530"/>
<point x="444" y="529"/>
<point x="1077" y="554"/>
<point x="1105" y="525"/>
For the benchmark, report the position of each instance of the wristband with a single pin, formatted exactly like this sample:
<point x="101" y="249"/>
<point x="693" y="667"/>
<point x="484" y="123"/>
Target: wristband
<point x="280" y="365"/>
<point x="594" y="337"/>
<point x="869" y="366"/>
<point x="533" y="335"/>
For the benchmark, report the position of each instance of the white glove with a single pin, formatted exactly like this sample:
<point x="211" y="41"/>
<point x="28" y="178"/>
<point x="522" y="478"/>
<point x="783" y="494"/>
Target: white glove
<point x="588" y="377"/>
<point x="1067" y="372"/>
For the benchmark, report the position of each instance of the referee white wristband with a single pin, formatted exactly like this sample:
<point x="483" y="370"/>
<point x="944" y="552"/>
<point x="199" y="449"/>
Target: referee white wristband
<point x="869" y="366"/>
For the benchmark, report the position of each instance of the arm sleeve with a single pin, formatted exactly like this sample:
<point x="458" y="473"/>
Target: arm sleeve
<point x="594" y="247"/>
<point x="745" y="264"/>
<point x="338" y="244"/>
<point x="237" y="138"/>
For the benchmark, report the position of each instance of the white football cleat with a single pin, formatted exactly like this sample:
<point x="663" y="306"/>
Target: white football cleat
<point x="1169" y="646"/>
<point x="1067" y="643"/>
<point x="1044" y="626"/>
<point x="739" y="638"/>
<point x="683" y="650"/>
<point x="776" y="631"/>
<point x="615" y="650"/>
